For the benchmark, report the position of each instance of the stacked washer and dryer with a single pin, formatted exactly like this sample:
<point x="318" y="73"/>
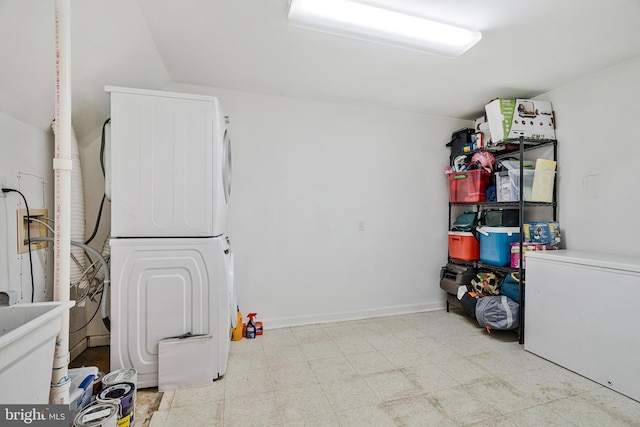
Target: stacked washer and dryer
<point x="169" y="181"/>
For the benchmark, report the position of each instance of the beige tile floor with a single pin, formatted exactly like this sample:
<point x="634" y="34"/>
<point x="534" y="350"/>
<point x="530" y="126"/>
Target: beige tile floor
<point x="426" y="369"/>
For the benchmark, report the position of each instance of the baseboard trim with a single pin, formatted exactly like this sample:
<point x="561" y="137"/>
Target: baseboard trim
<point x="285" y="322"/>
<point x="99" y="340"/>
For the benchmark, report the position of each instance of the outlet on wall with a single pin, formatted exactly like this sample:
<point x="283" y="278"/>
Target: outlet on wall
<point x="36" y="229"/>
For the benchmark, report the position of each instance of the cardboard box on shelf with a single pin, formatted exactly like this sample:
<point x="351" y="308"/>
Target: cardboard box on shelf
<point x="546" y="233"/>
<point x="511" y="118"/>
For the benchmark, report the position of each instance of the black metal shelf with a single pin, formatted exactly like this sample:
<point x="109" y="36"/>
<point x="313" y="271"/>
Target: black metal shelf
<point x="484" y="266"/>
<point x="515" y="204"/>
<point x="511" y="147"/>
<point x="515" y="148"/>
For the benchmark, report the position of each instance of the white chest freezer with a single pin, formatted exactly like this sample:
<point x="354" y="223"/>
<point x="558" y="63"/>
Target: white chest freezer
<point x="581" y="312"/>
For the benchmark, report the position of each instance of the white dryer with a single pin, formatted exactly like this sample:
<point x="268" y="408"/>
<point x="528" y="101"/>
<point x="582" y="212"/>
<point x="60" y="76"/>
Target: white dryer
<point x="170" y="164"/>
<point x="164" y="288"/>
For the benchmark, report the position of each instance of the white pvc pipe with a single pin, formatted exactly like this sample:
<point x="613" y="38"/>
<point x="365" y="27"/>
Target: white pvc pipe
<point x="62" y="166"/>
<point x="77" y="214"/>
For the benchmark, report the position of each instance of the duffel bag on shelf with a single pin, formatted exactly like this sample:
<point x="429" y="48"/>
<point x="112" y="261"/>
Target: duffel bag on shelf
<point x="498" y="312"/>
<point x="511" y="287"/>
<point x="487" y="283"/>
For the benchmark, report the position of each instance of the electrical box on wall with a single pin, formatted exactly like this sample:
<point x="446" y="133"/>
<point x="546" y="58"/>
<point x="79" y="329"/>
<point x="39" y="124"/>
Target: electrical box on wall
<point x="36" y="228"/>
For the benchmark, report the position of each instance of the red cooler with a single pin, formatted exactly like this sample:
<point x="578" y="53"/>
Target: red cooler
<point x="464" y="246"/>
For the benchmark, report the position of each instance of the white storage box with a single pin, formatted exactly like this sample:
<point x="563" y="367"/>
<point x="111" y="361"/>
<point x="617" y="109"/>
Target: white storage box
<point x="510" y="118"/>
<point x="508" y="185"/>
<point x="81" y="388"/>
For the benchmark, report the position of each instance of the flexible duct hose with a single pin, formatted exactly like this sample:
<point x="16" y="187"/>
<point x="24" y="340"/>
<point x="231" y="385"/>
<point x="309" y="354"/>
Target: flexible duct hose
<point x="105" y="269"/>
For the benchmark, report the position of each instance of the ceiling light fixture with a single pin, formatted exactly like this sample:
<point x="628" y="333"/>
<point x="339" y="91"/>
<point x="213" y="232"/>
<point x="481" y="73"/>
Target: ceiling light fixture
<point x="365" y="22"/>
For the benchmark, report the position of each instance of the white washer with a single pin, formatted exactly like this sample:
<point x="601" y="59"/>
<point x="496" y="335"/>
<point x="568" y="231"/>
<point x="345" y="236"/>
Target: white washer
<point x="164" y="288"/>
<point x="170" y="164"/>
<point x="227" y="314"/>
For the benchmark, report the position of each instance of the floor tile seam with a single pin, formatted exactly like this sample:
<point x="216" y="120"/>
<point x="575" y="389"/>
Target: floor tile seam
<point x="607" y="409"/>
<point x="499" y="411"/>
<point x="419" y="355"/>
<point x="275" y="383"/>
<point x="324" y="385"/>
<point x="596" y="386"/>
<point x="336" y="410"/>
<point x="439" y="390"/>
<point x="282" y="406"/>
<point x="420" y="387"/>
<point x="617" y="394"/>
<point x="436" y="363"/>
<point x="321" y="383"/>
<point x="416" y="385"/>
<point x="579" y="395"/>
<point x="310" y="358"/>
<point x="545" y="407"/>
<point x="347" y="356"/>
<point x="436" y="404"/>
<point x="519" y="373"/>
<point x="396" y="419"/>
<point x="296" y="385"/>
<point x="299" y="419"/>
<point x="341" y="345"/>
<point x="184" y="404"/>
<point x="245" y="393"/>
<point x="470" y="358"/>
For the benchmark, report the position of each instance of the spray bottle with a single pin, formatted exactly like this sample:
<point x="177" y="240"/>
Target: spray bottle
<point x="251" y="326"/>
<point x="236" y="332"/>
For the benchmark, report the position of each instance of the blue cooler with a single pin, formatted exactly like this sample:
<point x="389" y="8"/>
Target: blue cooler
<point x="495" y="244"/>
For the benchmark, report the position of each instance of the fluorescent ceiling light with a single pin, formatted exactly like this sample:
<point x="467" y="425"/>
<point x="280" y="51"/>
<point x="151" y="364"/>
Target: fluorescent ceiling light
<point x="365" y="22"/>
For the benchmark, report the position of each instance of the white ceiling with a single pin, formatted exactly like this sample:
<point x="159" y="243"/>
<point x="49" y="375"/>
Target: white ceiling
<point x="528" y="48"/>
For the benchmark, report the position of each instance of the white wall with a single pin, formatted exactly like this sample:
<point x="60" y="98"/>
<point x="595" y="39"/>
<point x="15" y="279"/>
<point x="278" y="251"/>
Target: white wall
<point x="26" y="165"/>
<point x="598" y="154"/>
<point x="306" y="175"/>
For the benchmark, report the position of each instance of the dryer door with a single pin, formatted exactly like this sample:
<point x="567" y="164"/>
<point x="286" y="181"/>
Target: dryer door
<point x="226" y="166"/>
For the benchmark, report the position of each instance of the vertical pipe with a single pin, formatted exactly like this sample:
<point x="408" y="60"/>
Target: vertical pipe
<point x="62" y="204"/>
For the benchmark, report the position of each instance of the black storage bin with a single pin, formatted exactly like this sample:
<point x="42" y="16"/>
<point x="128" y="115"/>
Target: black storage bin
<point x="499" y="218"/>
<point x="459" y="139"/>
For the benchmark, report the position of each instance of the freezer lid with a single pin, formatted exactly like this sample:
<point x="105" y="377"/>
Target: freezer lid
<point x="591" y="259"/>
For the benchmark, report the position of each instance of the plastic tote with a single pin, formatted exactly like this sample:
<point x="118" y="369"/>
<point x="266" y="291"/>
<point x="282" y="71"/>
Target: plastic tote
<point x="468" y="186"/>
<point x="495" y="244"/>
